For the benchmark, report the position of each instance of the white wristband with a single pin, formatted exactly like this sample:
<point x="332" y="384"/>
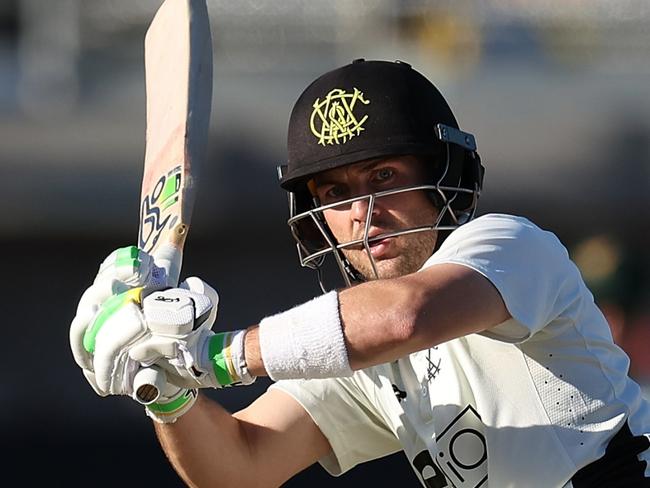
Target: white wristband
<point x="305" y="342"/>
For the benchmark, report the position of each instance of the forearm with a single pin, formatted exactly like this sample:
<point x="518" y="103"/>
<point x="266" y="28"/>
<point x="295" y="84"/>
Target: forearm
<point x="262" y="445"/>
<point x="378" y="320"/>
<point x="207" y="446"/>
<point x="385" y="320"/>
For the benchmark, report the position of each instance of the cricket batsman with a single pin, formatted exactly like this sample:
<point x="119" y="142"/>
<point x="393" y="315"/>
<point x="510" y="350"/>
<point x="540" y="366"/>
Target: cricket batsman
<point x="469" y="343"/>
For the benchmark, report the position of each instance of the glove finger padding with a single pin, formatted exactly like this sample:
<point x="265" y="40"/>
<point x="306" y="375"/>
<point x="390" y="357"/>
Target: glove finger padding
<point x="90" y="377"/>
<point x="179" y="358"/>
<point x="197" y="285"/>
<point x="133" y="267"/>
<point x="177" y="312"/>
<point x="153" y="349"/>
<point x="122" y="270"/>
<point x="89" y="306"/>
<point x="113" y="367"/>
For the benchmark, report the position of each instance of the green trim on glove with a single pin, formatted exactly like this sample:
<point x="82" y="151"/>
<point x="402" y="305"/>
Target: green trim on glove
<point x="109" y="307"/>
<point x="128" y="256"/>
<point x="174" y="405"/>
<point x="219" y="357"/>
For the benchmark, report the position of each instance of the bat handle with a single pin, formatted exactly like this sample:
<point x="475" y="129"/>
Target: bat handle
<point x="148" y="384"/>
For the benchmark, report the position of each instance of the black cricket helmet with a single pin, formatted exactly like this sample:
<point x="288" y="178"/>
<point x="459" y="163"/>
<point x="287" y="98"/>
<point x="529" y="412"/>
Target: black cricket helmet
<point x="367" y="110"/>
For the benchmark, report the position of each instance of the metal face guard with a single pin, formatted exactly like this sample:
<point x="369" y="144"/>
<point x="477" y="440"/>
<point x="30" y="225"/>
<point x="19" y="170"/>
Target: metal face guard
<point x="315" y="241"/>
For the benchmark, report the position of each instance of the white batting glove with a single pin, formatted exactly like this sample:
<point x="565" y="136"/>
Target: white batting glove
<point x="119" y="328"/>
<point x="115" y="296"/>
<point x="182" y="342"/>
<point x="133" y="267"/>
<point x="124" y="269"/>
<point x="119" y="325"/>
<point x="101" y="344"/>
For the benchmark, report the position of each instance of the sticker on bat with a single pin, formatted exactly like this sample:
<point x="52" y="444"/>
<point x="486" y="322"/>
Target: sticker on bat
<point x="155" y="214"/>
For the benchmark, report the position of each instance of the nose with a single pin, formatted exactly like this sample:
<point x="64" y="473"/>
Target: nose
<point x="359" y="209"/>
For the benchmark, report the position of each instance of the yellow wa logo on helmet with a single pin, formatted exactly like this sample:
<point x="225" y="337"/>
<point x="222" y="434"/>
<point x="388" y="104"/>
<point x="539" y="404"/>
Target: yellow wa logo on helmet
<point x="333" y="120"/>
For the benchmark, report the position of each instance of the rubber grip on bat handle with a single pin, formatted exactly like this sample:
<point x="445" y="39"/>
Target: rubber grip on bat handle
<point x="148" y="384"/>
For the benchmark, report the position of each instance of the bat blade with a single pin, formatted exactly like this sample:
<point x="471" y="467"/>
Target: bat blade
<point x="178" y="79"/>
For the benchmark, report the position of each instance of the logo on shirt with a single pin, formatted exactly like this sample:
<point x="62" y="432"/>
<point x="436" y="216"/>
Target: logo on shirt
<point x="433" y="367"/>
<point x="401" y="395"/>
<point x="461" y="461"/>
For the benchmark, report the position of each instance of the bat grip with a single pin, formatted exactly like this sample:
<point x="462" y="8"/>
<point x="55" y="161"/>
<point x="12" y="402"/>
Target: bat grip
<point x="148" y="384"/>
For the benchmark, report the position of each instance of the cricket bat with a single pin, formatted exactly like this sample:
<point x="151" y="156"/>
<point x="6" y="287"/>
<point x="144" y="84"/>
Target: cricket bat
<point x="178" y="82"/>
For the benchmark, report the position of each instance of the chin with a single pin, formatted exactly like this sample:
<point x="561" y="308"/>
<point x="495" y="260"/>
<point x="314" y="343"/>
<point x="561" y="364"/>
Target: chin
<point x="387" y="269"/>
<point x="409" y="253"/>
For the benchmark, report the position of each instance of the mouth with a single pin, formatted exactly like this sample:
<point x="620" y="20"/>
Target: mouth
<point x="379" y="248"/>
<point x="377" y="245"/>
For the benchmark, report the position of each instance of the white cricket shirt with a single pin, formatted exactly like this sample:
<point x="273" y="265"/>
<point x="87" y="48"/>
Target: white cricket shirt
<point x="524" y="404"/>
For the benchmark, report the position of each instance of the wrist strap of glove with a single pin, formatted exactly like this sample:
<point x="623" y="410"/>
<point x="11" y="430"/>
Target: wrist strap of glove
<point x="226" y="356"/>
<point x="239" y="358"/>
<point x="167" y="411"/>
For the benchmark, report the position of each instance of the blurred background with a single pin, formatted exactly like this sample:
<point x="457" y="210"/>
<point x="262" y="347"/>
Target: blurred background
<point x="557" y="94"/>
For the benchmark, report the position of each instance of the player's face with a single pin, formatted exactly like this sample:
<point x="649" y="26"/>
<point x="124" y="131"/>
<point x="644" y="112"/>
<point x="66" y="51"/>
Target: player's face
<point x="393" y="256"/>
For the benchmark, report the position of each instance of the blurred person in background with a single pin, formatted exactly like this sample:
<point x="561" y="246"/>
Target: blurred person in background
<point x="618" y="279"/>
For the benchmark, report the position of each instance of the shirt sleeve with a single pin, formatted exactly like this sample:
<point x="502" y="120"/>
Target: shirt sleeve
<point x="529" y="267"/>
<point x="354" y="429"/>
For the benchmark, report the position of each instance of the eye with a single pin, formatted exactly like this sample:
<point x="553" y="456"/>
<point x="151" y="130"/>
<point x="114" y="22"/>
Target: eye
<point x="335" y="191"/>
<point x="383" y="175"/>
<point x="332" y="194"/>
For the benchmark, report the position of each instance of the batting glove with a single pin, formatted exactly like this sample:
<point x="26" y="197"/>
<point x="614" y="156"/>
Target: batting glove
<point x="182" y="342"/>
<point x="104" y="343"/>
<point x="115" y="297"/>
<point x="123" y="270"/>
<point x="132" y="267"/>
<point x="119" y="328"/>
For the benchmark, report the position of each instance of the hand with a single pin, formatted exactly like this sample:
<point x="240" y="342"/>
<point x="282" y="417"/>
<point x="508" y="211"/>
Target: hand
<point x="118" y="287"/>
<point x="123" y="270"/>
<point x="176" y="332"/>
<point x="133" y="267"/>
<point x="179" y="322"/>
<point x="182" y="342"/>
<point x="118" y="325"/>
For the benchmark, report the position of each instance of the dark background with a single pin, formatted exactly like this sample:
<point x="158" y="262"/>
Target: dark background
<point x="559" y="102"/>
